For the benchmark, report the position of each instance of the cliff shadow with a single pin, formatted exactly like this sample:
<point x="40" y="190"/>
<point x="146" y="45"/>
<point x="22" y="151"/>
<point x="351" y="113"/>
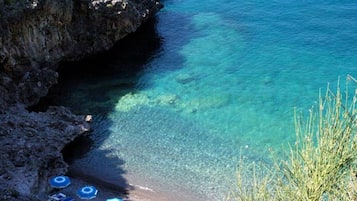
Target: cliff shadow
<point x="88" y="87"/>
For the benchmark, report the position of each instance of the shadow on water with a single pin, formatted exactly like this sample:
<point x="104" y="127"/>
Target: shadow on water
<point x="88" y="87"/>
<point x="84" y="87"/>
<point x="93" y="78"/>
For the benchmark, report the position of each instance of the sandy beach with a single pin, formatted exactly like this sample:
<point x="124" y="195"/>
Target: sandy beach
<point x="108" y="190"/>
<point x="105" y="192"/>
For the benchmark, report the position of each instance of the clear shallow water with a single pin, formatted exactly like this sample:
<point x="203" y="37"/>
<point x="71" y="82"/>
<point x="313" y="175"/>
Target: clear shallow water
<point x="221" y="80"/>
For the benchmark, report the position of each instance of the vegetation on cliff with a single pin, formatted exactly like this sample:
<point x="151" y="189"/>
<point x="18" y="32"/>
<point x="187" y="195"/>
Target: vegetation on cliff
<point x="322" y="163"/>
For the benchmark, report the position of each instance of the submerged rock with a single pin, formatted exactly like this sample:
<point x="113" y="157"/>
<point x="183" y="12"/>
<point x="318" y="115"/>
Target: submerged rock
<point x="185" y="78"/>
<point x="35" y="35"/>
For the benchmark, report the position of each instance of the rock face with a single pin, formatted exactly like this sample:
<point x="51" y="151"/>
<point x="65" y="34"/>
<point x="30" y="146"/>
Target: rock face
<point x="31" y="145"/>
<point x="35" y="35"/>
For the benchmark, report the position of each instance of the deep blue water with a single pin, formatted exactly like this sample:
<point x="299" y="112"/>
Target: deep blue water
<point x="214" y="80"/>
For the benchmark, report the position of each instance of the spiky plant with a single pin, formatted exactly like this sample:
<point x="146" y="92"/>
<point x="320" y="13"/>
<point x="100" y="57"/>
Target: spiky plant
<point x="253" y="181"/>
<point x="326" y="149"/>
<point x="322" y="163"/>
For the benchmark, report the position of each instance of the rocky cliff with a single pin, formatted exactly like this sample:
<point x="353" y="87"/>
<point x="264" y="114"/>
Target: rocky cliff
<point x="35" y="35"/>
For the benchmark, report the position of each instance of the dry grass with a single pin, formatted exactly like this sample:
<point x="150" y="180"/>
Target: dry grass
<point x="321" y="165"/>
<point x="252" y="182"/>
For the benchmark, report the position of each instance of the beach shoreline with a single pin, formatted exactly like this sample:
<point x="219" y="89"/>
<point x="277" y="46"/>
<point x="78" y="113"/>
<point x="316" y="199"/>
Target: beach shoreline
<point x="107" y="189"/>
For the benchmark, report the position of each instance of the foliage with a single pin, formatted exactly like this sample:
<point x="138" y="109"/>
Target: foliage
<point x="252" y="182"/>
<point x="322" y="163"/>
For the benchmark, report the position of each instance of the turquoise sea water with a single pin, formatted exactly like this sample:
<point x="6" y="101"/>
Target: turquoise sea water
<point x="214" y="80"/>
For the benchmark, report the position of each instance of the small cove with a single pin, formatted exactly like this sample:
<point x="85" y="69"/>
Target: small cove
<point x="177" y="103"/>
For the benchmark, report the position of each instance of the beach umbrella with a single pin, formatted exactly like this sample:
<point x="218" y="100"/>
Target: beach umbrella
<point x="87" y="192"/>
<point x="114" y="199"/>
<point x="60" y="181"/>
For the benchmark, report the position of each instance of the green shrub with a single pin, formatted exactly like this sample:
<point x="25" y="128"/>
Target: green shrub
<point x="253" y="182"/>
<point x="322" y="163"/>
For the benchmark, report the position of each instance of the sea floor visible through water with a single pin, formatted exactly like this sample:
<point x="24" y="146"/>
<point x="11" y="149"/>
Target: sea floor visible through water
<point x="176" y="104"/>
